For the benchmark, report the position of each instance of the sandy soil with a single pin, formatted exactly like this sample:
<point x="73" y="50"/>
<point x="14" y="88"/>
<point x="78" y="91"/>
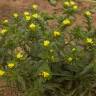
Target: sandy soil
<point x="7" y="7"/>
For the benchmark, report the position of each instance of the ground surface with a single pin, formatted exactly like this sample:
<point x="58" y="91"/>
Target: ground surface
<point x="7" y="7"/>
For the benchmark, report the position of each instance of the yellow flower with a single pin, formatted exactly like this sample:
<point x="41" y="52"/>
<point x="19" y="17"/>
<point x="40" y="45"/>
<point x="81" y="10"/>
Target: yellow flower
<point x="56" y="33"/>
<point x="3" y="31"/>
<point x="75" y="7"/>
<point x="72" y="3"/>
<point x="89" y="40"/>
<point x="70" y="59"/>
<point x="44" y="74"/>
<point x="88" y="13"/>
<point x="66" y="22"/>
<point x="36" y="16"/>
<point x="35" y="6"/>
<point x="27" y="18"/>
<point x="2" y="72"/>
<point x="69" y="3"/>
<point x="32" y="26"/>
<point x="15" y="15"/>
<point x="46" y="43"/>
<point x="11" y="65"/>
<point x="66" y="3"/>
<point x="26" y="13"/>
<point x="5" y="21"/>
<point x="19" y="55"/>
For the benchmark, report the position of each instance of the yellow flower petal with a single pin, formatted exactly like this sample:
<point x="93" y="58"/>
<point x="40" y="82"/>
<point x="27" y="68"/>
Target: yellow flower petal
<point x="66" y="22"/>
<point x="3" y="31"/>
<point x="75" y="7"/>
<point x="44" y="74"/>
<point x="27" y="18"/>
<point x="89" y="40"/>
<point x="46" y="43"/>
<point x="26" y="13"/>
<point x="15" y="15"/>
<point x="35" y="6"/>
<point x="5" y="21"/>
<point x="88" y="13"/>
<point x="66" y="3"/>
<point x="11" y="65"/>
<point x="56" y="33"/>
<point x="19" y="55"/>
<point x="2" y="72"/>
<point x="72" y="3"/>
<point x="36" y="16"/>
<point x="70" y="59"/>
<point x="32" y="26"/>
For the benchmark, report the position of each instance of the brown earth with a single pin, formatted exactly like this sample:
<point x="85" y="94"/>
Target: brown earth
<point x="7" y="7"/>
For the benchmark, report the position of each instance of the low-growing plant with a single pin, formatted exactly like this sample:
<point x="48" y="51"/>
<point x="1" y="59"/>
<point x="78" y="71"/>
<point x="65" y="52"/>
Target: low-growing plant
<point x="47" y="60"/>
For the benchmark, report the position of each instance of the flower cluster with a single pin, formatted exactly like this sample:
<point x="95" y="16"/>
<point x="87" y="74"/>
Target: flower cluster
<point x="32" y="50"/>
<point x="70" y="6"/>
